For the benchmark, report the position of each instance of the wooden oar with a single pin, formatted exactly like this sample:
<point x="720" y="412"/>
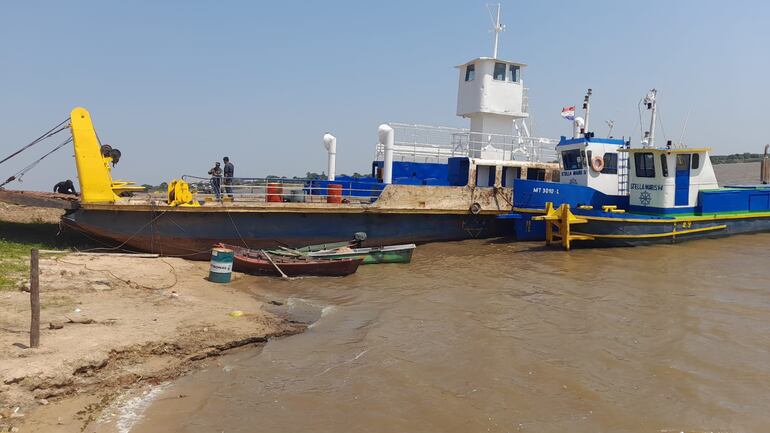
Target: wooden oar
<point x="273" y="263"/>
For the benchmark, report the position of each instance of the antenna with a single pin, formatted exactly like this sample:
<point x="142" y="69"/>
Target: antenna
<point x="496" y="26"/>
<point x="650" y="100"/>
<point x="587" y="110"/>
<point x="611" y="124"/>
<point x="684" y="128"/>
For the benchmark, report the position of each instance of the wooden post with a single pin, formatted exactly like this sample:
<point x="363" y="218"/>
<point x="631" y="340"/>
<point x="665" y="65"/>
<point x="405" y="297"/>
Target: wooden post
<point x="34" y="297"/>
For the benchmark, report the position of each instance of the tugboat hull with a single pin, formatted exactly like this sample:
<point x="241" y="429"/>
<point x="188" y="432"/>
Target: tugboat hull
<point x="613" y="230"/>
<point x="631" y="232"/>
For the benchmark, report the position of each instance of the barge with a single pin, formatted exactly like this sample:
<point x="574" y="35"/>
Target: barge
<point x="420" y="189"/>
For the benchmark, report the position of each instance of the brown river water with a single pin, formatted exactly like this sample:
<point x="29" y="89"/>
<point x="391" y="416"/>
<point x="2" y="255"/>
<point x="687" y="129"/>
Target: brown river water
<point x="491" y="336"/>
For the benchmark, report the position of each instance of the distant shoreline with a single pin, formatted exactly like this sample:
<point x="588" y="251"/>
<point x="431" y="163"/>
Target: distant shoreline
<point x="736" y="158"/>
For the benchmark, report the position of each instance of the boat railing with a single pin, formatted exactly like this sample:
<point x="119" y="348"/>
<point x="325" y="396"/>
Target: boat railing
<point x="285" y="190"/>
<point x="436" y="144"/>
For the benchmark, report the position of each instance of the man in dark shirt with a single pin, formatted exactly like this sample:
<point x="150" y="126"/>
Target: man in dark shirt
<point x="65" y="187"/>
<point x="229" y="172"/>
<point x="216" y="180"/>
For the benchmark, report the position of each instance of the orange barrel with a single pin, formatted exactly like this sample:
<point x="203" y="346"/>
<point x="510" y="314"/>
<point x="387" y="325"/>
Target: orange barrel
<point x="274" y="192"/>
<point x="334" y="193"/>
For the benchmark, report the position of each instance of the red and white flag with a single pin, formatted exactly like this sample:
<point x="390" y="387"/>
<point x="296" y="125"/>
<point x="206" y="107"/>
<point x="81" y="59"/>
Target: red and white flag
<point x="568" y="113"/>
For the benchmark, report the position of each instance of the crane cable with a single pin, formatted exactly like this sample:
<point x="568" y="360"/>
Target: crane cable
<point x="51" y="132"/>
<point x="24" y="170"/>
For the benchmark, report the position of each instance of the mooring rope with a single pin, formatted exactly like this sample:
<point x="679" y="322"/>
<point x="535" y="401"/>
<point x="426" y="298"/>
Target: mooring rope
<point x="51" y="132"/>
<point x="24" y="170"/>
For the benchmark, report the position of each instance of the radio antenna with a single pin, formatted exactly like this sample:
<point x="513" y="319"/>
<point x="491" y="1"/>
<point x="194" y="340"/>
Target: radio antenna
<point x="496" y="26"/>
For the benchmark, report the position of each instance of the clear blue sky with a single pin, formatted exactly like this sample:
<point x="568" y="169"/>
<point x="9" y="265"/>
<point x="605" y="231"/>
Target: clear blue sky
<point x="177" y="85"/>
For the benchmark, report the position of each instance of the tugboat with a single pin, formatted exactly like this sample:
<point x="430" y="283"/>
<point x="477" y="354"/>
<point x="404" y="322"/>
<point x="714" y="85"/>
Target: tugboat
<point x="614" y="195"/>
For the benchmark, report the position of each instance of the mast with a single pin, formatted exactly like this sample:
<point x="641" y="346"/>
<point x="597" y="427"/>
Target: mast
<point x="496" y="27"/>
<point x="651" y="104"/>
<point x="587" y="109"/>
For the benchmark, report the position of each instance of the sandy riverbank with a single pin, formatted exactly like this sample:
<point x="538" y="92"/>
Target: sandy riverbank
<point x="111" y="324"/>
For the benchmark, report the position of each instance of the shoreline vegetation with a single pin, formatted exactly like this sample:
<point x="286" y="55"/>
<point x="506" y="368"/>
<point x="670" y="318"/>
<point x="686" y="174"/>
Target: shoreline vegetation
<point x="735" y="158"/>
<point x="110" y="325"/>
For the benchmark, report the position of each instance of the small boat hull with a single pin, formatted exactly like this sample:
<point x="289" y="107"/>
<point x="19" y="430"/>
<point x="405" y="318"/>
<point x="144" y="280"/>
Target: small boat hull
<point x="256" y="263"/>
<point x="371" y="256"/>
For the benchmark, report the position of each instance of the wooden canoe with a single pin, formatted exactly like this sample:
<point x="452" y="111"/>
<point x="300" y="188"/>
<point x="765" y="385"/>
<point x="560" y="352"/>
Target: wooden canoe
<point x="256" y="262"/>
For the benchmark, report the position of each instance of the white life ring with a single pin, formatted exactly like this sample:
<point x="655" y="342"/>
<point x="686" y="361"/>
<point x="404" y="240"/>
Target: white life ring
<point x="597" y="163"/>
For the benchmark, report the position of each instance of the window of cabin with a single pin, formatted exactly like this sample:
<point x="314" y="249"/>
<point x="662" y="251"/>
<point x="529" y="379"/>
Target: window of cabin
<point x="535" y="173"/>
<point x="572" y="160"/>
<point x="513" y="73"/>
<point x="644" y="164"/>
<point x="499" y="72"/>
<point x="470" y="72"/>
<point x="588" y="156"/>
<point x="695" y="161"/>
<point x="664" y="165"/>
<point x="610" y="163"/>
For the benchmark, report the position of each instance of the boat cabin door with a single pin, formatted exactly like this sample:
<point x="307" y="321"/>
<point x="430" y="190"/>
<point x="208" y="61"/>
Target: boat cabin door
<point x="682" y="196"/>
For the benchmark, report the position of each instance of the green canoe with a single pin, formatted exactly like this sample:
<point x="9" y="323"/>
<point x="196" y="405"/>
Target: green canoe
<point x="371" y="255"/>
<point x="338" y="250"/>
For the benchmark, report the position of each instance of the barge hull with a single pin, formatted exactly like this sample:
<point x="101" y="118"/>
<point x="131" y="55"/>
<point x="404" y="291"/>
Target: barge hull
<point x="192" y="234"/>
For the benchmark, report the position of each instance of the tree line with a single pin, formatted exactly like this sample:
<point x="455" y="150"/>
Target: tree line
<point x="736" y="157"/>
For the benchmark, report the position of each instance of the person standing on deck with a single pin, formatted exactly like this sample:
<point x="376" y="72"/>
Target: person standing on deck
<point x="216" y="180"/>
<point x="229" y="172"/>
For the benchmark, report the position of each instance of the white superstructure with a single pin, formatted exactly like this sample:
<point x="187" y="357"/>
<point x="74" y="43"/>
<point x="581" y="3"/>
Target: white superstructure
<point x="492" y="95"/>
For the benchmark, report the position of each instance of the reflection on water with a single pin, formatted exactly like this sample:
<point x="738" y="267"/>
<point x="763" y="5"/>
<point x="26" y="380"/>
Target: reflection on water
<point x="505" y="337"/>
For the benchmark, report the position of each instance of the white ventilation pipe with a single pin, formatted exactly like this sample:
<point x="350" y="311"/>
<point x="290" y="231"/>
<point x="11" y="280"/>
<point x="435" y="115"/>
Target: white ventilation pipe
<point x="385" y="135"/>
<point x="330" y="143"/>
<point x="577" y="125"/>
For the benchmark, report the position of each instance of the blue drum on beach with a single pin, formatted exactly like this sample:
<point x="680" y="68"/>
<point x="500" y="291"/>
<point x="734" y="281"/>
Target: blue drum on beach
<point x="221" y="265"/>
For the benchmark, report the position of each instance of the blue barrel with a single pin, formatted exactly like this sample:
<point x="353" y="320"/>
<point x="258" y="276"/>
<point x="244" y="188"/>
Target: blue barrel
<point x="221" y="265"/>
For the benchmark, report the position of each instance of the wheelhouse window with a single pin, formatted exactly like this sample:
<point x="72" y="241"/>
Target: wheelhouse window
<point x="644" y="164"/>
<point x="610" y="163"/>
<point x="572" y="160"/>
<point x="513" y="73"/>
<point x="695" y="161"/>
<point x="499" y="72"/>
<point x="470" y="72"/>
<point x="664" y="165"/>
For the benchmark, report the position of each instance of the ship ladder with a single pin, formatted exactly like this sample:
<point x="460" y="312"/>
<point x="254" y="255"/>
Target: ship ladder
<point x="558" y="225"/>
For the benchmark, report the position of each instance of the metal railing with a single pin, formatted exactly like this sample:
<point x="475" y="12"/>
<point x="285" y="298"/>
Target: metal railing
<point x="425" y="143"/>
<point x="282" y="190"/>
